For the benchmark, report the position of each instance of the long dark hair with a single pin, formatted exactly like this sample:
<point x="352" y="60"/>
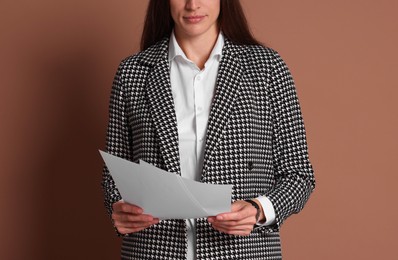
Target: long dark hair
<point x="232" y="22"/>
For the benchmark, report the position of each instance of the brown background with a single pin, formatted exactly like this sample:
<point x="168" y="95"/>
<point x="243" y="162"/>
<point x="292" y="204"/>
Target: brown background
<point x="57" y="61"/>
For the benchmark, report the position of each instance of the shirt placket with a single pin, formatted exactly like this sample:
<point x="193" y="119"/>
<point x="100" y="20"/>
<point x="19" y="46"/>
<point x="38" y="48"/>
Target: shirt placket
<point x="200" y="116"/>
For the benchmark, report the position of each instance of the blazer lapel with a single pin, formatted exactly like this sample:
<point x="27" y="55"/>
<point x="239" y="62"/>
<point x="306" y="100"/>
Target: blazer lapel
<point x="227" y="90"/>
<point x="162" y="106"/>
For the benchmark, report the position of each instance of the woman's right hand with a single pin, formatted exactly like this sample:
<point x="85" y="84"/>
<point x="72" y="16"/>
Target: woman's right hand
<point x="129" y="218"/>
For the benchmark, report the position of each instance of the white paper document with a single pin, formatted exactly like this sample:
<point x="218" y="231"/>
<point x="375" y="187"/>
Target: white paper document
<point x="166" y="195"/>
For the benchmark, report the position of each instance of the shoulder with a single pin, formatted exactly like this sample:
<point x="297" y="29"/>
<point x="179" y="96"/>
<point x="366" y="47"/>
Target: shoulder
<point x="262" y="55"/>
<point x="266" y="65"/>
<point x="148" y="57"/>
<point x="256" y="59"/>
<point x="255" y="55"/>
<point x="263" y="59"/>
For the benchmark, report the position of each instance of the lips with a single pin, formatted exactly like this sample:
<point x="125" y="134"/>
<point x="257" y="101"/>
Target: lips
<point x="194" y="18"/>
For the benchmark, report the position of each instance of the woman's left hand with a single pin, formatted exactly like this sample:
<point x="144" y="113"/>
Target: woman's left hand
<point x="239" y="221"/>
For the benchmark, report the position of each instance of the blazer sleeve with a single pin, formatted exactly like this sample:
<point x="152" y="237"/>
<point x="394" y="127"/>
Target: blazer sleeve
<point x="118" y="138"/>
<point x="294" y="174"/>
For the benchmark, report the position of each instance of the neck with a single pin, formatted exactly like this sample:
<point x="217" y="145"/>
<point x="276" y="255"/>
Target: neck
<point x="198" y="48"/>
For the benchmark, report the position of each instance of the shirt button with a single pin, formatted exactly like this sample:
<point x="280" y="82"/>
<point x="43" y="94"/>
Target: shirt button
<point x="198" y="77"/>
<point x="199" y="108"/>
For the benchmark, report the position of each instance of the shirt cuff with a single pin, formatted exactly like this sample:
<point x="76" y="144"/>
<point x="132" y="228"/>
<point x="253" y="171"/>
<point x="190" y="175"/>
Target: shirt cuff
<point x="268" y="210"/>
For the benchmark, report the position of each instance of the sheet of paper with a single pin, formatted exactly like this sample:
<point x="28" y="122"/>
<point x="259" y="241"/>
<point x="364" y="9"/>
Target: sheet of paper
<point x="166" y="195"/>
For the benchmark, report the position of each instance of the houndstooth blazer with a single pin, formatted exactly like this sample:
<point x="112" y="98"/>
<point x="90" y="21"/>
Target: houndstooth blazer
<point x="255" y="141"/>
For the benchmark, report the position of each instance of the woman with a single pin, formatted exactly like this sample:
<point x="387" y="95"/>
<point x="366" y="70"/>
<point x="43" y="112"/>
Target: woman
<point x="205" y="100"/>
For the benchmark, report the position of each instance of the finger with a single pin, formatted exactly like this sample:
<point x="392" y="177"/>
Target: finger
<point x="229" y="224"/>
<point x="137" y="224"/>
<point x="126" y="217"/>
<point x="232" y="224"/>
<point x="240" y="215"/>
<point x="241" y="210"/>
<point x="122" y="222"/>
<point x="125" y="228"/>
<point x="211" y="219"/>
<point x="130" y="230"/>
<point x="121" y="206"/>
<point x="241" y="231"/>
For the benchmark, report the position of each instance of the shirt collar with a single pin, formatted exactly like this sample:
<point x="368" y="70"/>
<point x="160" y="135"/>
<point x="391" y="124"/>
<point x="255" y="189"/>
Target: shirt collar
<point x="175" y="49"/>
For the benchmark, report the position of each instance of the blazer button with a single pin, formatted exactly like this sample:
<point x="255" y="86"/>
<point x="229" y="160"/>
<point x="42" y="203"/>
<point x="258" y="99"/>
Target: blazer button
<point x="250" y="165"/>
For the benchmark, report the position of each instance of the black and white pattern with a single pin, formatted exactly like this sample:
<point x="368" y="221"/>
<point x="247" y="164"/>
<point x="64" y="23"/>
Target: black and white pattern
<point x="255" y="141"/>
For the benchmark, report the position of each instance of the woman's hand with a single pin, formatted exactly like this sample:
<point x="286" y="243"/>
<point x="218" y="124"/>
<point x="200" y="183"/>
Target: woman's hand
<point x="239" y="221"/>
<point x="129" y="218"/>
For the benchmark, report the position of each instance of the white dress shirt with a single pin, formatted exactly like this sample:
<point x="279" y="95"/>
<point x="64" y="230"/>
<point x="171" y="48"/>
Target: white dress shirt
<point x="193" y="91"/>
